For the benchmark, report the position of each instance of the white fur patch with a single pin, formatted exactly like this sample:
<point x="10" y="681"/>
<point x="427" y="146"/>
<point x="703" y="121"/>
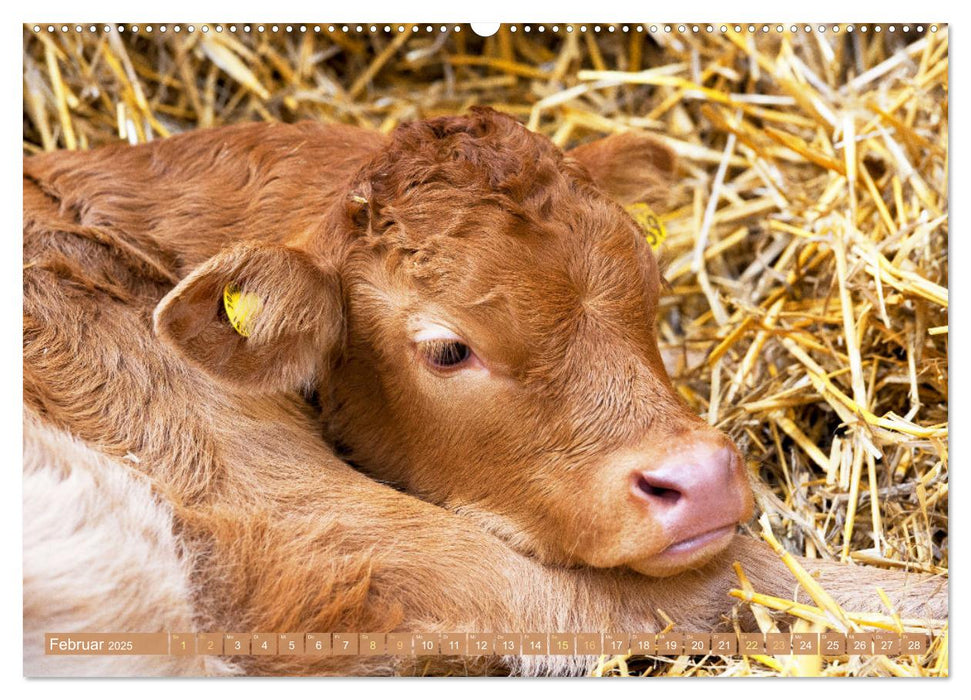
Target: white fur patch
<point x="99" y="556"/>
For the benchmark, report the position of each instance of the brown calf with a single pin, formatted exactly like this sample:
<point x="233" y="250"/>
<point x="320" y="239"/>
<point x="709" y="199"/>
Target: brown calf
<point x="471" y="317"/>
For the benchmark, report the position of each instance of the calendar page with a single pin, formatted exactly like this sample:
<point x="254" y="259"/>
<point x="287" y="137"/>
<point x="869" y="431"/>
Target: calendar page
<point x="514" y="349"/>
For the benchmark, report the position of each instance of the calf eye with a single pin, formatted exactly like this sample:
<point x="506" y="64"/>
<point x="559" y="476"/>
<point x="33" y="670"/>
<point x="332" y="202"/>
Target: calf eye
<point x="445" y="354"/>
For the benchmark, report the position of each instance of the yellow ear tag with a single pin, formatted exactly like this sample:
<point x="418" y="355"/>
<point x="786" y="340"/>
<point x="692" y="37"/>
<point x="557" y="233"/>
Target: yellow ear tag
<point x="241" y="308"/>
<point x="650" y="223"/>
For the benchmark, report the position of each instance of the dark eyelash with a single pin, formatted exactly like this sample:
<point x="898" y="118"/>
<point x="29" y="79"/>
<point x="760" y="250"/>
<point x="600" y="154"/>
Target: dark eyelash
<point x="445" y="354"/>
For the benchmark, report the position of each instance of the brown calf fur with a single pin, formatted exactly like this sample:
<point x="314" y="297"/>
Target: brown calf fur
<point x="472" y="319"/>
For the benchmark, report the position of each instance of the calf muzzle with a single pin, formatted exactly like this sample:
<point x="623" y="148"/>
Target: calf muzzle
<point x="696" y="494"/>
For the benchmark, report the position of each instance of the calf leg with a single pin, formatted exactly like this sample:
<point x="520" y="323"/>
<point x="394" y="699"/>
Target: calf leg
<point x="699" y="599"/>
<point x="374" y="560"/>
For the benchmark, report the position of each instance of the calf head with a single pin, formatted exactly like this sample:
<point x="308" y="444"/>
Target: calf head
<point x="485" y="339"/>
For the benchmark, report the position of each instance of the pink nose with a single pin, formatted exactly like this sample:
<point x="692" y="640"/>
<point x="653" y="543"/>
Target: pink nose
<point x="696" y="489"/>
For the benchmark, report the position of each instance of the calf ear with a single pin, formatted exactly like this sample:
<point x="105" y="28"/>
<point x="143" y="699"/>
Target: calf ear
<point x="629" y="167"/>
<point x="263" y="317"/>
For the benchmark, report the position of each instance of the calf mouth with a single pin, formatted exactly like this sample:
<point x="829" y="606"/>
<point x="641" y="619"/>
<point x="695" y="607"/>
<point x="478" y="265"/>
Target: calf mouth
<point x="694" y="544"/>
<point x="689" y="553"/>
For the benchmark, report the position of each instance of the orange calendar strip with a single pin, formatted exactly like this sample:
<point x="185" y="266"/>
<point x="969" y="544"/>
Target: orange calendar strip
<point x="487" y="644"/>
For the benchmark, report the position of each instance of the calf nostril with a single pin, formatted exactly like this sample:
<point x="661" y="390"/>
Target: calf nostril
<point x="658" y="492"/>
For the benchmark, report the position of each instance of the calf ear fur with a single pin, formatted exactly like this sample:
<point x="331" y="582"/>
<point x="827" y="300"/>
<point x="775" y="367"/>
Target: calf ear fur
<point x="291" y="338"/>
<point x="629" y="167"/>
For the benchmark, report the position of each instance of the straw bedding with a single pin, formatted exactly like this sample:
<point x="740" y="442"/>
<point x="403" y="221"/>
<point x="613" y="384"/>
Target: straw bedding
<point x="807" y="249"/>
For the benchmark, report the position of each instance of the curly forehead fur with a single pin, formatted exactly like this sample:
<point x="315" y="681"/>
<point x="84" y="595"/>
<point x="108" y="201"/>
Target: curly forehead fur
<point x="483" y="159"/>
